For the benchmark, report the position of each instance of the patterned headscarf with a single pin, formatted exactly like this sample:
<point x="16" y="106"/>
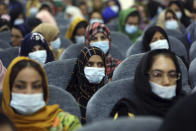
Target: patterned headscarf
<point x="95" y="28"/>
<point x="79" y="86"/>
<point x="33" y="39"/>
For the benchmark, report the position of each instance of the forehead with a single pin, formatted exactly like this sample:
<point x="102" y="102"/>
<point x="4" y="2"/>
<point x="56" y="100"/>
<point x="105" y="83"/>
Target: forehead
<point x="95" y="58"/>
<point x="163" y="63"/>
<point x="28" y="74"/>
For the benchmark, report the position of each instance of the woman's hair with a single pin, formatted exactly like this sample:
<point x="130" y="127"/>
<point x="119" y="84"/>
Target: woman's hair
<point x="148" y="35"/>
<point x="4" y="120"/>
<point x="134" y="14"/>
<point x="82" y="24"/>
<point x="172" y="12"/>
<point x="24" y="64"/>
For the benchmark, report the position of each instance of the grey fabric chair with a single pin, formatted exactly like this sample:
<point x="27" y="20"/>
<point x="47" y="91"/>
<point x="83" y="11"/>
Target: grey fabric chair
<point x="4" y="44"/>
<point x="8" y="55"/>
<point x="121" y="41"/>
<point x="63" y="29"/>
<point x="174" y="33"/>
<point x="59" y="72"/>
<point x="125" y="124"/>
<point x="61" y="97"/>
<point x="192" y="51"/>
<point x="192" y="73"/>
<point x="102" y="102"/>
<point x="64" y="99"/>
<point x="176" y="46"/>
<point x="65" y="42"/>
<point x="6" y="36"/>
<point x="74" y="50"/>
<point x="127" y="68"/>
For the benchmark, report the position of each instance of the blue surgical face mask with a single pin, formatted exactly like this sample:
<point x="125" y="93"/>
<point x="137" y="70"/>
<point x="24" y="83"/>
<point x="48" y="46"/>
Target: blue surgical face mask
<point x="93" y="20"/>
<point x="33" y="11"/>
<point x="18" y="21"/>
<point x="56" y="44"/>
<point x="103" y="45"/>
<point x="131" y="29"/>
<point x="165" y="92"/>
<point x="178" y="14"/>
<point x="171" y="24"/>
<point x="80" y="39"/>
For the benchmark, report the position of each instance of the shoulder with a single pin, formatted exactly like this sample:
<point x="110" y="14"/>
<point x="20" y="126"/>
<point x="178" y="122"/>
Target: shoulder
<point x="124" y="107"/>
<point x="65" y="121"/>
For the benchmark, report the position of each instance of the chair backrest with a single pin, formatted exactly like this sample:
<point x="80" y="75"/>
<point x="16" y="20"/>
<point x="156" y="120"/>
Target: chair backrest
<point x="126" y="124"/>
<point x="74" y="50"/>
<point x="121" y="41"/>
<point x="176" y="46"/>
<point x="59" y="72"/>
<point x="174" y="33"/>
<point x="192" y="51"/>
<point x="4" y="44"/>
<point x="8" y="55"/>
<point x="64" y="99"/>
<point x="102" y="102"/>
<point x="6" y="36"/>
<point x="127" y="68"/>
<point x="61" y="97"/>
<point x="65" y="42"/>
<point x="192" y="73"/>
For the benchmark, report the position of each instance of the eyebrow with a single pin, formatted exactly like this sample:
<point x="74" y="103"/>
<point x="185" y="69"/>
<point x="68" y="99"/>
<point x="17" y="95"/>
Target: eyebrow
<point x="35" y="82"/>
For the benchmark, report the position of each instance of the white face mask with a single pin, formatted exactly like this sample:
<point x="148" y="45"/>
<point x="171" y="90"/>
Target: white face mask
<point x="93" y="20"/>
<point x="33" y="11"/>
<point x="103" y="45"/>
<point x="94" y="75"/>
<point x="131" y="29"/>
<point x="80" y="39"/>
<point x="27" y="104"/>
<point x="178" y="14"/>
<point x="159" y="44"/>
<point x="39" y="56"/>
<point x="18" y="21"/>
<point x="56" y="44"/>
<point x="171" y="24"/>
<point x="115" y="8"/>
<point x="165" y="92"/>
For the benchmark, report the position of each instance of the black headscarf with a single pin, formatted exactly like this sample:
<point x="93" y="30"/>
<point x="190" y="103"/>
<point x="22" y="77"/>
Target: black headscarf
<point x="79" y="86"/>
<point x="182" y="116"/>
<point x="33" y="39"/>
<point x="152" y="104"/>
<point x="148" y="35"/>
<point x="185" y="20"/>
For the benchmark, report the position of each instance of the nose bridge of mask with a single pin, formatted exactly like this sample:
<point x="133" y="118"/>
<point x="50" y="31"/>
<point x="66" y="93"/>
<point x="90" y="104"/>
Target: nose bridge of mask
<point x="160" y="44"/>
<point x="39" y="56"/>
<point x="103" y="45"/>
<point x="166" y="92"/>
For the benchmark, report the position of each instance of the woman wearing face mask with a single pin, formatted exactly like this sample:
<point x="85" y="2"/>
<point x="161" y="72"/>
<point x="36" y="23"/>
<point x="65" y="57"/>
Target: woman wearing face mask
<point x="32" y="7"/>
<point x="51" y="35"/>
<point x="98" y="35"/>
<point x="129" y="23"/>
<point x="179" y="9"/>
<point x="88" y="76"/>
<point x="35" y="47"/>
<point x="159" y="90"/>
<point x="155" y="38"/>
<point x="18" y="32"/>
<point x="96" y="16"/>
<point x="76" y="30"/>
<point x="169" y="21"/>
<point x="25" y="99"/>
